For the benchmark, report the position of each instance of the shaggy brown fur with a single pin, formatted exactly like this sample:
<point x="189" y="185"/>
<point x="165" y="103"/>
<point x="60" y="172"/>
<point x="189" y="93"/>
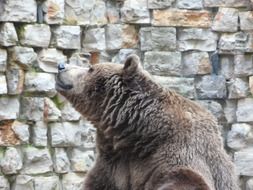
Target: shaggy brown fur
<point x="148" y="138"/>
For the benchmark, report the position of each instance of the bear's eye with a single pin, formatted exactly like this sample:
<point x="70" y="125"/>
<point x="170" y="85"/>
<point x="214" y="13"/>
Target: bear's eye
<point x="91" y="69"/>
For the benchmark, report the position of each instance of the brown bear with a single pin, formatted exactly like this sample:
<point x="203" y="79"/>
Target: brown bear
<point x="148" y="138"/>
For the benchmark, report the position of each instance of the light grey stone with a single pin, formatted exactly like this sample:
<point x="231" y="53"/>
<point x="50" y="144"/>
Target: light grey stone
<point x="214" y="107"/>
<point x="211" y="87"/>
<point x="113" y="11"/>
<point x="81" y="160"/>
<point x="65" y="134"/>
<point x="11" y="163"/>
<point x="61" y="161"/>
<point x="21" y="130"/>
<point x="244" y="111"/>
<point x="88" y="135"/>
<point x="18" y="11"/>
<point x="54" y="11"/>
<point x="37" y="161"/>
<point x="73" y="181"/>
<point x="244" y="162"/>
<point x="37" y="35"/>
<point x="8" y="35"/>
<point x="227" y="66"/>
<point x="49" y="58"/>
<point x="3" y="84"/>
<point x="226" y="20"/>
<point x="157" y="4"/>
<point x="24" y="56"/>
<point x="196" y="63"/>
<point x="189" y="4"/>
<point x="51" y="112"/>
<point x="4" y="183"/>
<point x="249" y="184"/>
<point x="246" y="20"/>
<point x="23" y="182"/>
<point x="184" y="86"/>
<point x="67" y="37"/>
<point x="94" y="40"/>
<point x="40" y="83"/>
<point x="226" y="3"/>
<point x="163" y="63"/>
<point x="135" y="12"/>
<point x="47" y="183"/>
<point x="81" y="59"/>
<point x="158" y="38"/>
<point x="230" y="111"/>
<point x="3" y="60"/>
<point x="68" y="113"/>
<point x="98" y="13"/>
<point x="243" y="65"/>
<point x="240" y="136"/>
<point x="39" y="137"/>
<point x="15" y="80"/>
<point x="121" y="56"/>
<point x="32" y="108"/>
<point x="238" y="88"/>
<point x="9" y="108"/>
<point x="197" y="39"/>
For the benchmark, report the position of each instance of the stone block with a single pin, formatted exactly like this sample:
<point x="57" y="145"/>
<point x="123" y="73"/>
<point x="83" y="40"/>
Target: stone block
<point x="49" y="58"/>
<point x="8" y="35"/>
<point x="47" y="183"/>
<point x="4" y="183"/>
<point x="189" y="4"/>
<point x="113" y="11"/>
<point x="23" y="182"/>
<point x="39" y="131"/>
<point x="51" y="112"/>
<point x="68" y="113"/>
<point x="65" y="134"/>
<point x="183" y="86"/>
<point x="73" y="181"/>
<point x="37" y="35"/>
<point x="243" y="65"/>
<point x="18" y="11"/>
<point x="230" y="110"/>
<point x="9" y="108"/>
<point x="135" y="12"/>
<point x="37" y="161"/>
<point x="94" y="40"/>
<point x="11" y="163"/>
<point x="157" y="4"/>
<point x="226" y="66"/>
<point x="240" y="136"/>
<point x="226" y="3"/>
<point x="32" y="108"/>
<point x="24" y="56"/>
<point x="244" y="162"/>
<point x="196" y="63"/>
<point x="158" y="38"/>
<point x="3" y="84"/>
<point x="3" y="60"/>
<point x="81" y="59"/>
<point x="226" y="20"/>
<point x="163" y="63"/>
<point x="7" y="135"/>
<point x="238" y="88"/>
<point x="40" y="83"/>
<point x="122" y="54"/>
<point x="54" y="11"/>
<point x="81" y="160"/>
<point x="61" y="161"/>
<point x="197" y="39"/>
<point x="15" y="80"/>
<point x="244" y="111"/>
<point x="249" y="184"/>
<point x="246" y="20"/>
<point x="214" y="107"/>
<point x="120" y="36"/>
<point x="251" y="84"/>
<point x="21" y="130"/>
<point x="67" y="37"/>
<point x="211" y="87"/>
<point x="88" y="135"/>
<point x="182" y="18"/>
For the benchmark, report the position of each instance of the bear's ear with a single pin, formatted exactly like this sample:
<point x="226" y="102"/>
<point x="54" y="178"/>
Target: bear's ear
<point x="132" y="64"/>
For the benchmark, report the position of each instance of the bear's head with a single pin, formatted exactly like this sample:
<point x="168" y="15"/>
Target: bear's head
<point x="104" y="88"/>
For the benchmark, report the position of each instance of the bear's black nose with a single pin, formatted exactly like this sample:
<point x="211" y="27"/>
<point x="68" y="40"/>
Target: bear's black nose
<point x="61" y="66"/>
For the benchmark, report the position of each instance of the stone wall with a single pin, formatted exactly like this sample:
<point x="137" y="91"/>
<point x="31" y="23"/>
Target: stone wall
<point x="202" y="49"/>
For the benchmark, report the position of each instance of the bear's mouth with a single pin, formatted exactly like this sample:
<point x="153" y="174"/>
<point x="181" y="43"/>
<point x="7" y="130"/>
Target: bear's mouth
<point x="60" y="85"/>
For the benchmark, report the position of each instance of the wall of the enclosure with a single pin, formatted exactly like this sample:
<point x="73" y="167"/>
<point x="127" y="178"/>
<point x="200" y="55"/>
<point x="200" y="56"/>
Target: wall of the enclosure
<point x="46" y="145"/>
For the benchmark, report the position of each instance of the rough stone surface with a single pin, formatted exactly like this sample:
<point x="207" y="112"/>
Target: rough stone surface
<point x="226" y="3"/>
<point x="9" y="108"/>
<point x="23" y="182"/>
<point x="227" y="66"/>
<point x="113" y="11"/>
<point x="189" y="4"/>
<point x="240" y="136"/>
<point x="157" y="4"/>
<point x="47" y="183"/>
<point x="81" y="161"/>
<point x="67" y="37"/>
<point x="88" y="134"/>
<point x="249" y="184"/>
<point x="196" y="63"/>
<point x="182" y="18"/>
<point x="54" y="11"/>
<point x="22" y="131"/>
<point x="4" y="183"/>
<point x="121" y="36"/>
<point x="73" y="181"/>
<point x="246" y="20"/>
<point x="81" y="59"/>
<point x="244" y="162"/>
<point x="244" y="111"/>
<point x="158" y="38"/>
<point x="68" y="113"/>
<point x="197" y="39"/>
<point x="37" y="161"/>
<point x="18" y="11"/>
<point x="226" y="20"/>
<point x="94" y="40"/>
<point x="32" y="108"/>
<point x="251" y="84"/>
<point x="15" y="80"/>
<point x="3" y="60"/>
<point x="8" y="35"/>
<point x="121" y="56"/>
<point x="184" y="86"/>
<point x="37" y="35"/>
<point x="51" y="112"/>
<point x="238" y="88"/>
<point x="243" y="65"/>
<point x="211" y="87"/>
<point x="163" y="63"/>
<point x="230" y="111"/>
<point x="3" y="85"/>
<point x="7" y="135"/>
<point x="61" y="161"/>
<point x="39" y="131"/>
